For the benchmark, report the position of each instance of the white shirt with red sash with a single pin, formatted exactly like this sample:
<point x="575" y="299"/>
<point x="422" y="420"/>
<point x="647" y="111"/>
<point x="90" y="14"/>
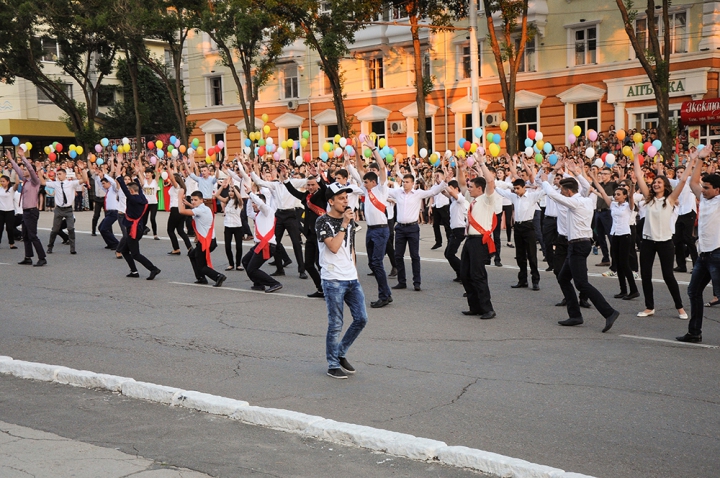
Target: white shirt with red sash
<point x="482" y="218"/>
<point x="376" y="204"/>
<point x="264" y="225"/>
<point x="204" y="225"/>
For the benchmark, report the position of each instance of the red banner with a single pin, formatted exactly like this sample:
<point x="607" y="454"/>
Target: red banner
<point x="700" y="112"/>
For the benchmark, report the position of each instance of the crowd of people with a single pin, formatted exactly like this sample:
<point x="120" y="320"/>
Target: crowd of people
<point x="669" y="208"/>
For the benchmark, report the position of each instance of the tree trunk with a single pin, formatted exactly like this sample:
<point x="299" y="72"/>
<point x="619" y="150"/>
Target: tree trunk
<point x="419" y="85"/>
<point x="133" y="71"/>
<point x="511" y="135"/>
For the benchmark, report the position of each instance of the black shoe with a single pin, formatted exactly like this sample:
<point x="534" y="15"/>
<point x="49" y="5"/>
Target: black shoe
<point x="277" y="273"/>
<point x="632" y="296"/>
<point x="393" y="272"/>
<point x="436" y="246"/>
<point x="40" y="263"/>
<point x="318" y="294"/>
<point x="371" y="274"/>
<point x="303" y="275"/>
<point x="457" y="279"/>
<point x="66" y="242"/>
<point x="73" y="252"/>
<point x="510" y="245"/>
<point x="693" y="339"/>
<point x="201" y="281"/>
<point x="220" y="280"/>
<point x="146" y="231"/>
<point x="399" y="286"/>
<point x="570" y="322"/>
<point x="621" y="295"/>
<point x="93" y="234"/>
<point x="390" y="299"/>
<point x="153" y="274"/>
<point x="173" y="253"/>
<point x="26" y="261"/>
<point x="417" y="288"/>
<point x="49" y="249"/>
<point x="562" y="303"/>
<point x="379" y="303"/>
<point x="134" y="275"/>
<point x="488" y="315"/>
<point x="258" y="287"/>
<point x="112" y="248"/>
<point x="336" y="373"/>
<point x="498" y="264"/>
<point x="345" y="366"/>
<point x="464" y="294"/>
<point x="609" y="321"/>
<point x="287" y="263"/>
<point x="470" y="312"/>
<point x="585" y="304"/>
<point x="520" y="285"/>
<point x="549" y="269"/>
<point x="273" y="263"/>
<point x="274" y="288"/>
<point x="536" y="286"/>
<point x="680" y="269"/>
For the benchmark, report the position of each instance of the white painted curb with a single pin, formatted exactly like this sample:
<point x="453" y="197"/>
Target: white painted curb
<point x="398" y="444"/>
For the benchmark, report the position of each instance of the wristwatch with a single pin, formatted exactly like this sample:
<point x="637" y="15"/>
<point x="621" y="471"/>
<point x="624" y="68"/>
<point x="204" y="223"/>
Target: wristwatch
<point x="342" y="229"/>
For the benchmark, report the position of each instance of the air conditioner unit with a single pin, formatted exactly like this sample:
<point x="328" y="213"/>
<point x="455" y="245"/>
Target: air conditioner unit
<point x="493" y="119"/>
<point x="397" y="127"/>
<point x="293" y="105"/>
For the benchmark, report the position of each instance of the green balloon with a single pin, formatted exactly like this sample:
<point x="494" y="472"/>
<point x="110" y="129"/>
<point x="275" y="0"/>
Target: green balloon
<point x="490" y="137"/>
<point x="367" y="153"/>
<point x="306" y="134"/>
<point x="261" y="142"/>
<point x="538" y="158"/>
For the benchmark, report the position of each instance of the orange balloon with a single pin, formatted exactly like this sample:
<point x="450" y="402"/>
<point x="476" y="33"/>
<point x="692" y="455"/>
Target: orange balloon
<point x="620" y="134"/>
<point x="182" y="148"/>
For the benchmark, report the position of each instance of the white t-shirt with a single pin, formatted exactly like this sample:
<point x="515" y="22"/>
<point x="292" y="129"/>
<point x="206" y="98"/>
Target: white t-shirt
<point x="659" y="221"/>
<point x="232" y="214"/>
<point x="150" y="191"/>
<point x="173" y="197"/>
<point x="340" y="265"/>
<point x="709" y="224"/>
<point x="203" y="218"/>
<point x="621" y="216"/>
<point x="6" y="199"/>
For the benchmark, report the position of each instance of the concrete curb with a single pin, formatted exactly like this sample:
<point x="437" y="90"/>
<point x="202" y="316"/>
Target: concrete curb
<point x="385" y="441"/>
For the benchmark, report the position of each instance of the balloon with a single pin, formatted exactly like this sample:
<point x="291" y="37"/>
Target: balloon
<point x="539" y="158"/>
<point x="553" y="159"/>
<point x="381" y="143"/>
<point x="627" y="151"/>
<point x="461" y="142"/>
<point x="646" y="145"/>
<point x="276" y="156"/>
<point x="73" y="154"/>
<point x="195" y="143"/>
<point x="336" y="139"/>
<point x="490" y="137"/>
<point x="211" y="150"/>
<point x="504" y="126"/>
<point x="306" y="134"/>
<point x="1" y="139"/>
<point x="528" y="143"/>
<point x="221" y="145"/>
<point x="423" y="153"/>
<point x="299" y="161"/>
<point x="79" y="150"/>
<point x="15" y="141"/>
<point x="327" y="147"/>
<point x="389" y="159"/>
<point x="100" y="161"/>
<point x="658" y="144"/>
<point x="303" y="142"/>
<point x="153" y="160"/>
<point x="478" y="132"/>
<point x="652" y="151"/>
<point x="610" y="159"/>
<point x="182" y="148"/>
<point x="531" y="134"/>
<point x="175" y="153"/>
<point x="266" y="129"/>
<point x="481" y="150"/>
<point x="150" y="145"/>
<point x="125" y="140"/>
<point x="473" y="147"/>
<point x="261" y="142"/>
<point x="52" y="156"/>
<point x="262" y="150"/>
<point x="700" y="147"/>
<point x="577" y="130"/>
<point x="494" y="150"/>
<point x="467" y="145"/>
<point x="539" y="143"/>
<point x="547" y="147"/>
<point x="176" y="143"/>
<point x="247" y="142"/>
<point x="173" y="139"/>
<point x="538" y="137"/>
<point x="410" y="141"/>
<point x="265" y="117"/>
<point x="200" y="150"/>
<point x="338" y="152"/>
<point x="529" y="152"/>
<point x="470" y="162"/>
<point x="461" y="153"/>
<point x="637" y="137"/>
<point x="296" y="145"/>
<point x="247" y="150"/>
<point x="127" y="148"/>
<point x="161" y="154"/>
<point x="598" y="163"/>
<point x="536" y="149"/>
<point x="641" y="159"/>
<point x="367" y="153"/>
<point x="343" y="142"/>
<point x="159" y="144"/>
<point x="170" y="148"/>
<point x="496" y="138"/>
<point x="590" y="153"/>
<point x="98" y="148"/>
<point x="592" y="135"/>
<point x="47" y="150"/>
<point x="348" y="149"/>
<point x="572" y="138"/>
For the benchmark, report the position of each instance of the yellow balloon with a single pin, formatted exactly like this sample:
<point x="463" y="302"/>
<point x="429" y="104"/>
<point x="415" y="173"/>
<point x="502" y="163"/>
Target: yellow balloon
<point x="127" y="148"/>
<point x="73" y="147"/>
<point x="266" y="129"/>
<point x="303" y="142"/>
<point x="540" y="144"/>
<point x="372" y="136"/>
<point x="503" y="126"/>
<point x="627" y="151"/>
<point x="337" y="138"/>
<point x="265" y="117"/>
<point x="29" y="145"/>
<point x="290" y="142"/>
<point x="47" y="150"/>
<point x="158" y="144"/>
<point x="208" y="159"/>
<point x="382" y="143"/>
<point x="576" y="131"/>
<point x="460" y="153"/>
<point x="473" y="147"/>
<point x="79" y="150"/>
<point x="637" y="137"/>
<point x="200" y="150"/>
<point x="494" y="150"/>
<point x="327" y="147"/>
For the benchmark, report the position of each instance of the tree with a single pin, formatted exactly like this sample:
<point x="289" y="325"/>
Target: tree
<point x="506" y="50"/>
<point x="330" y="31"/>
<point x="85" y="54"/>
<point x="655" y="60"/>
<point x="251" y="33"/>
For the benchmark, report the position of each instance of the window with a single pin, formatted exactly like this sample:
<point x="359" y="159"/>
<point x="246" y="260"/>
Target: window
<point x="467" y="129"/>
<point x="325" y="7"/>
<point x="43" y="98"/>
<point x="678" y="32"/>
<point x="465" y="62"/>
<point x="375" y="73"/>
<point x="170" y="63"/>
<point x="290" y="81"/>
<point x="428" y="131"/>
<point x="393" y="12"/>
<point x="378" y="127"/>
<point x="293" y="134"/>
<point x="106" y="95"/>
<point x="650" y="120"/>
<point x="585" y="45"/>
<point x="332" y="130"/>
<point x="216" y="92"/>
<point x="586" y="116"/>
<point x="528" y="60"/>
<point x="51" y="50"/>
<point x="527" y="119"/>
<point x="219" y="137"/>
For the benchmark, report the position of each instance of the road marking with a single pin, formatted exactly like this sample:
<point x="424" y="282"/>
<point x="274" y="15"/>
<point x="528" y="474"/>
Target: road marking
<point x="244" y="290"/>
<point x="675" y="342"/>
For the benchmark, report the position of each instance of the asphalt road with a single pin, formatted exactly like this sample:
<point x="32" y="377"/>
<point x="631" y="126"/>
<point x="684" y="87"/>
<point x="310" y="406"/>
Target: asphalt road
<point x="520" y="385"/>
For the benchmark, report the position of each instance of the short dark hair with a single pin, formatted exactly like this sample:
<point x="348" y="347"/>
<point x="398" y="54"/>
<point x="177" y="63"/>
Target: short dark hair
<point x="409" y="176"/>
<point x="454" y="184"/>
<point x="519" y="182"/>
<point x="570" y="184"/>
<point x="342" y="172"/>
<point x="134" y="187"/>
<point x="481" y="183"/>
<point x="374" y="166"/>
<point x="197" y="194"/>
<point x="713" y="180"/>
<point x="370" y="176"/>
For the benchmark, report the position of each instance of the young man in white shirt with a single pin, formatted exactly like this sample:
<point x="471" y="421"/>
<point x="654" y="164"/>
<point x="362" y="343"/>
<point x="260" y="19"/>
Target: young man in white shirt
<point x="64" y="200"/>
<point x="263" y="214"/>
<point x="336" y="237"/>
<point x="204" y="226"/>
<point x="440" y="213"/>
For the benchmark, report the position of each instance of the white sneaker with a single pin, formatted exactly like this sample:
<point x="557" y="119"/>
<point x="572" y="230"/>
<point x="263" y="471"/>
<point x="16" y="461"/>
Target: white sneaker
<point x="683" y="316"/>
<point x="646" y="314"/>
<point x="358" y="228"/>
<point x="636" y="276"/>
<point x="609" y="274"/>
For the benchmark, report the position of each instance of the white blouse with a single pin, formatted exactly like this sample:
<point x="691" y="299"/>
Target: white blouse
<point x="621" y="217"/>
<point x="659" y="221"/>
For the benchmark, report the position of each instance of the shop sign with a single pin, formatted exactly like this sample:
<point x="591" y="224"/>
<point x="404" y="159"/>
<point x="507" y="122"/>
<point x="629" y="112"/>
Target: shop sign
<point x="700" y="112"/>
<point x="646" y="89"/>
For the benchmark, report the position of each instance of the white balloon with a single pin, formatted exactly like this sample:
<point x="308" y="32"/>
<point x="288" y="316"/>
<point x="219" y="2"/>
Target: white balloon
<point x="164" y="175"/>
<point x="423" y="152"/>
<point x="338" y="152"/>
<point x="448" y="154"/>
<point x="175" y="153"/>
<point x="298" y="161"/>
<point x="23" y="146"/>
<point x="598" y="163"/>
<point x="343" y="142"/>
<point x="269" y="140"/>
<point x="538" y="136"/>
<point x="281" y="150"/>
<point x="610" y="159"/>
<point x="246" y="150"/>
<point x="125" y="141"/>
<point x="529" y="152"/>
<point x="590" y="153"/>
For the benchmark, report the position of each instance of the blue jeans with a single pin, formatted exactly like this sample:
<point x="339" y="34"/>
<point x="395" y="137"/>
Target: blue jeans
<point x="338" y="293"/>
<point x="707" y="267"/>
<point x="106" y="230"/>
<point x="375" y="244"/>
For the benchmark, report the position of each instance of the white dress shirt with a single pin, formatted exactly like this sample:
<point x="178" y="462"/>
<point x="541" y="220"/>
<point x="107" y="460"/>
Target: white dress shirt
<point x="709" y="224"/>
<point x="6" y="199"/>
<point x="409" y="204"/>
<point x="551" y="207"/>
<point x="659" y="221"/>
<point x="458" y="212"/>
<point x="203" y="217"/>
<point x="232" y="214"/>
<point x="621" y="216"/>
<point x="265" y="219"/>
<point x="580" y="212"/>
<point x="68" y="186"/>
<point x="687" y="202"/>
<point x="525" y="205"/>
<point x="440" y="200"/>
<point x="483" y="209"/>
<point x="281" y="196"/>
<point x="112" y="196"/>
<point x="373" y="215"/>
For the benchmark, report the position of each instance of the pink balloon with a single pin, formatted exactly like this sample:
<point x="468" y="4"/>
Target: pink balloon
<point x="481" y="150"/>
<point x="153" y="159"/>
<point x="470" y="162"/>
<point x="98" y="148"/>
<point x="592" y="135"/>
<point x="177" y="143"/>
<point x="571" y="139"/>
<point x="276" y="156"/>
<point x="221" y="144"/>
<point x="652" y="151"/>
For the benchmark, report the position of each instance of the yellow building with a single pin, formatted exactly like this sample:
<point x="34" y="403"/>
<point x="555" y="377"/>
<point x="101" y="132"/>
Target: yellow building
<point x="578" y="69"/>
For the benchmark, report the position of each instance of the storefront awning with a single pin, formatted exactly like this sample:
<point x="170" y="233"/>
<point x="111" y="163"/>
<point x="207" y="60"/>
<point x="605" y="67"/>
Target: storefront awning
<point x="700" y="112"/>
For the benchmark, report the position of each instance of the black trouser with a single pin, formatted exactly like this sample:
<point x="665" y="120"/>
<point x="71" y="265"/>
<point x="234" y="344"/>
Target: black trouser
<point x="176" y="223"/>
<point x="7" y="222"/>
<point x="441" y="217"/>
<point x="245" y="223"/>
<point x="575" y="270"/>
<point x="684" y="240"/>
<point x="130" y="250"/>
<point x="287" y="221"/>
<point x="550" y="235"/>
<point x="407" y="236"/>
<point x="152" y="212"/>
<point x="300" y="220"/>
<point x="18" y="224"/>
<point x="508" y="211"/>
<point x="457" y="236"/>
<point x="252" y="262"/>
<point x="538" y="217"/>
<point x="640" y="224"/>
<point x="97" y="209"/>
<point x="229" y="233"/>
<point x="78" y="200"/>
<point x="390" y="246"/>
<point x="106" y="230"/>
<point x="633" y="253"/>
<point x="707" y="265"/>
<point x="526" y="251"/>
<point x="621" y="248"/>
<point x="474" y="275"/>
<point x="29" y="233"/>
<point x="312" y="256"/>
<point x="603" y="226"/>
<point x="198" y="259"/>
<point x="497" y="232"/>
<point x="665" y="251"/>
<point x="561" y="249"/>
<point x="189" y="221"/>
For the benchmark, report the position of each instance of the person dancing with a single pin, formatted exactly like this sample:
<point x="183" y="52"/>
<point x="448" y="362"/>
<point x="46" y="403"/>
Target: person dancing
<point x="204" y="226"/>
<point x="233" y="206"/>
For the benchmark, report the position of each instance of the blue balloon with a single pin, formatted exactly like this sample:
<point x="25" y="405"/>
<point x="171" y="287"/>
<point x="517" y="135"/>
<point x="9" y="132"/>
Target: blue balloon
<point x="536" y="149"/>
<point x="173" y="139"/>
<point x="15" y="141"/>
<point x="658" y="144"/>
<point x="324" y="156"/>
<point x="0" y="139"/>
<point x="73" y="154"/>
<point x="700" y="147"/>
<point x="547" y="147"/>
<point x="528" y="143"/>
<point x="461" y="142"/>
<point x="382" y="154"/>
<point x="114" y="147"/>
<point x="386" y="150"/>
<point x="478" y="132"/>
<point x="452" y="164"/>
<point x="104" y="142"/>
<point x="296" y="145"/>
<point x="99" y="161"/>
<point x="409" y="141"/>
<point x="348" y="148"/>
<point x="496" y="138"/>
<point x="160" y="153"/>
<point x="248" y="142"/>
<point x="552" y="159"/>
<point x="257" y="150"/>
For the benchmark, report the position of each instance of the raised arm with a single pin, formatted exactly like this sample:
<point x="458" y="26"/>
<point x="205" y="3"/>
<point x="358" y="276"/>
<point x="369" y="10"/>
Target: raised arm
<point x="639" y="174"/>
<point x="673" y="198"/>
<point x="695" y="181"/>
<point x="600" y="191"/>
<point x="489" y="177"/>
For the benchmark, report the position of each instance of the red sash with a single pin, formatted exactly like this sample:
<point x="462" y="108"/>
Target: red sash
<point x="380" y="206"/>
<point x="205" y="241"/>
<point x="486" y="235"/>
<point x="134" y="222"/>
<point x="314" y="208"/>
<point x="264" y="244"/>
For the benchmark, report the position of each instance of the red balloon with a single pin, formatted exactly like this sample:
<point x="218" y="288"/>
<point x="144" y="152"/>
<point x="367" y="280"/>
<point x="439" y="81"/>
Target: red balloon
<point x="262" y="150"/>
<point x="52" y="157"/>
<point x="531" y="134"/>
<point x="646" y="145"/>
<point x="306" y="157"/>
<point x="641" y="159"/>
<point x="211" y="151"/>
<point x="58" y="147"/>
<point x="151" y="145"/>
<point x="467" y="145"/>
<point x="603" y="156"/>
